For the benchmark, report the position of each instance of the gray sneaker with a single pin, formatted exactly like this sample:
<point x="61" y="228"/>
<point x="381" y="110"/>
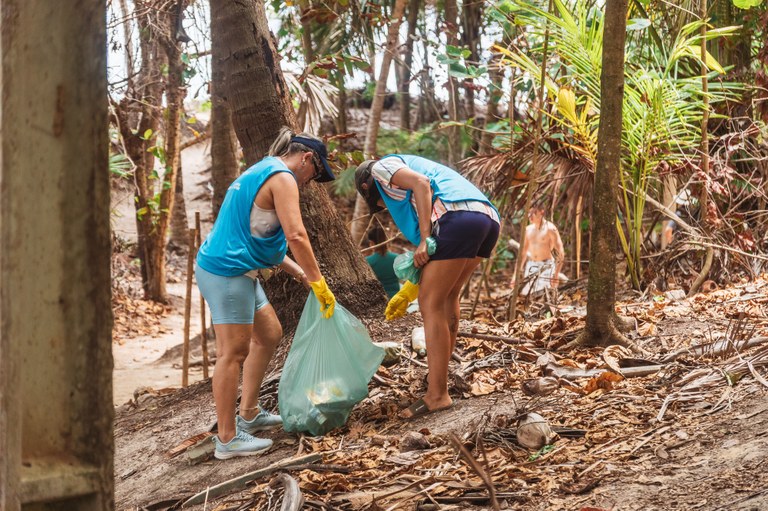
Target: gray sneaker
<point x="262" y="422"/>
<point x="242" y="444"/>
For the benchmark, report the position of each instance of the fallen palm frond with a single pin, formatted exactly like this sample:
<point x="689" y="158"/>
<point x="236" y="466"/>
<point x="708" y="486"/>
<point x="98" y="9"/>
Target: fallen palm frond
<point x="700" y="384"/>
<point x="316" y="99"/>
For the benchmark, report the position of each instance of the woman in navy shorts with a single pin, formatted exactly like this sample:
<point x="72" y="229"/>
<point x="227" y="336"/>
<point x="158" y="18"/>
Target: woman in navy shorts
<point x="426" y="199"/>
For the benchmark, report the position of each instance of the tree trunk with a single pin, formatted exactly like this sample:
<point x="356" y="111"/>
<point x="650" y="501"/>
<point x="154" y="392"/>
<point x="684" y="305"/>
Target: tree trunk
<point x="454" y="136"/>
<point x="341" y="120"/>
<point x="374" y="119"/>
<point x="179" y="224"/>
<point x="471" y="22"/>
<point x="138" y="121"/>
<point x="414" y="6"/>
<point x="496" y="74"/>
<point x="261" y="105"/>
<point x="601" y="326"/>
<point x="224" y="165"/>
<point x="306" y="33"/>
<point x="174" y="99"/>
<point x="704" y="199"/>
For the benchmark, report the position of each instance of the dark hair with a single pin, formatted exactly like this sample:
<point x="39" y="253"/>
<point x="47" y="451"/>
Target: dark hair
<point x="370" y="192"/>
<point x="377" y="236"/>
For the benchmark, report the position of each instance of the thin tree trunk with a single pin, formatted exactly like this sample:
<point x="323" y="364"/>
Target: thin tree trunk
<point x="306" y="33"/>
<point x="179" y="224"/>
<point x="374" y="119"/>
<point x="471" y="20"/>
<point x="601" y="327"/>
<point x="341" y="120"/>
<point x="454" y="136"/>
<point x="224" y="165"/>
<point x="174" y="98"/>
<point x="414" y="6"/>
<point x="137" y="117"/>
<point x="127" y="38"/>
<point x="496" y="74"/>
<point x="704" y="200"/>
<point x="261" y="105"/>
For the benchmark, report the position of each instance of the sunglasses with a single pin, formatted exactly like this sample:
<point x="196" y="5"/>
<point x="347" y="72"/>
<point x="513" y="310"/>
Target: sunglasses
<point x="318" y="167"/>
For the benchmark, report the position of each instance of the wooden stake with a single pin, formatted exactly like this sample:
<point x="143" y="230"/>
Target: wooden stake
<point x="187" y="308"/>
<point x="203" y="332"/>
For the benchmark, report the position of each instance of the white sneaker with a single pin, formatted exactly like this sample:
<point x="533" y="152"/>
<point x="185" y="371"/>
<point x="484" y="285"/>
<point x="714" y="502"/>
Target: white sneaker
<point x="262" y="422"/>
<point x="242" y="444"/>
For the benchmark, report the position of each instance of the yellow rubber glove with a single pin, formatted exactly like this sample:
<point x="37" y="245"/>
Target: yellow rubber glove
<point x="399" y="303"/>
<point x="324" y="296"/>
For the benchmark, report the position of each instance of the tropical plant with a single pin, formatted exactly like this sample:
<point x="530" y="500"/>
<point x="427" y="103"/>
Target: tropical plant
<point x="662" y="109"/>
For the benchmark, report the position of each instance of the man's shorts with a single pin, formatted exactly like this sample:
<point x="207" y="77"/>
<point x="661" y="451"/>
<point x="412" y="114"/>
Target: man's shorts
<point x="464" y="235"/>
<point x="233" y="300"/>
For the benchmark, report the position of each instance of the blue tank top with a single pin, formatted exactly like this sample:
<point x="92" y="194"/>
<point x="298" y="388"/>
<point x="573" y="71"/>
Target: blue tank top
<point x="230" y="249"/>
<point x="447" y="185"/>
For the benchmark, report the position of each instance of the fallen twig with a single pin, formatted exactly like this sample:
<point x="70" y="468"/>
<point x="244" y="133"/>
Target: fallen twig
<point x="475" y="466"/>
<point x="239" y="482"/>
<point x="489" y="337"/>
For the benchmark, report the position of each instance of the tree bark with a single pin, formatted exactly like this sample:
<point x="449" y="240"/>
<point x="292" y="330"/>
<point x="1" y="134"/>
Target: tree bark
<point x="137" y="115"/>
<point x="704" y="199"/>
<point x="374" y="118"/>
<point x="260" y="102"/>
<point x="601" y="322"/>
<point x="341" y="121"/>
<point x="224" y="165"/>
<point x="174" y="99"/>
<point x="179" y="224"/>
<point x="471" y="22"/>
<point x="496" y="75"/>
<point x="454" y="136"/>
<point x="414" y="6"/>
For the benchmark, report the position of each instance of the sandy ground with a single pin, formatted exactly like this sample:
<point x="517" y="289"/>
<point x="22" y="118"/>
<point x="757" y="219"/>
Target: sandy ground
<point x="136" y="359"/>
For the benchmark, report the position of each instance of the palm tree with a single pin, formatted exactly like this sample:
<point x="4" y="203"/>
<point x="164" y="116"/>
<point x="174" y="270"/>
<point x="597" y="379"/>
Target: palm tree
<point x="258" y="95"/>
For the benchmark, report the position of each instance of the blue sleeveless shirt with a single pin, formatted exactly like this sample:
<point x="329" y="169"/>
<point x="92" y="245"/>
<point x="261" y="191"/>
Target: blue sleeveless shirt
<point x="447" y="185"/>
<point x="230" y="249"/>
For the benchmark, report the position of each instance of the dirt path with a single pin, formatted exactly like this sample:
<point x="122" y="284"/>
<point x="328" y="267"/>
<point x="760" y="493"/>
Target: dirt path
<point x="136" y="358"/>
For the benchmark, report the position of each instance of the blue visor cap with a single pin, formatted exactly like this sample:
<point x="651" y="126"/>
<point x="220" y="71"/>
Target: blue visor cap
<point x="319" y="149"/>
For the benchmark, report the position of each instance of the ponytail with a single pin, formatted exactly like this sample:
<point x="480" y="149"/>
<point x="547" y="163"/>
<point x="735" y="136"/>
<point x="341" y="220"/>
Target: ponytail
<point x="282" y="143"/>
<point x="285" y="146"/>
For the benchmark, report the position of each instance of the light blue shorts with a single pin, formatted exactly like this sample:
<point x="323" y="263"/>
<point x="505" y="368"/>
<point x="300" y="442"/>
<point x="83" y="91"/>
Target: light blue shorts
<point x="233" y="300"/>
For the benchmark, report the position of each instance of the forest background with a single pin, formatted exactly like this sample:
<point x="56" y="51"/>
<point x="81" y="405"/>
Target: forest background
<point x="509" y="93"/>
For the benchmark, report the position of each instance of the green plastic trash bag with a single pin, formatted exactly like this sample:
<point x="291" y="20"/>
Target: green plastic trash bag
<point x="327" y="370"/>
<point x="403" y="265"/>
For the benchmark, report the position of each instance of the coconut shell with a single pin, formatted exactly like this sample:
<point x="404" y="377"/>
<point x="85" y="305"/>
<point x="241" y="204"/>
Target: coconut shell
<point x="540" y="386"/>
<point x="533" y="431"/>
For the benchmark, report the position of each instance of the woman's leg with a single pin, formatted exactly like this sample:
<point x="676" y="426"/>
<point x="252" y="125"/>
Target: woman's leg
<point x="266" y="335"/>
<point x="454" y="297"/>
<point x="437" y="280"/>
<point x="232" y="342"/>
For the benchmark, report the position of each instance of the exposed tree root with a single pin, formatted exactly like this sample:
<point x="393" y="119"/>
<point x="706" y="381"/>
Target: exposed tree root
<point x="611" y="335"/>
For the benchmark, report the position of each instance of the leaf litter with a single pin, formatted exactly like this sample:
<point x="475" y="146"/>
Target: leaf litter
<point x="616" y="421"/>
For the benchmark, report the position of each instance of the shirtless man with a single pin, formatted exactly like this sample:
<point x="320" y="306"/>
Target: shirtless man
<point x="542" y="267"/>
